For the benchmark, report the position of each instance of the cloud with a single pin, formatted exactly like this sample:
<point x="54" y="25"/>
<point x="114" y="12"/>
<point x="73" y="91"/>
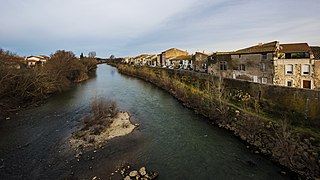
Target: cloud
<point x="130" y="27"/>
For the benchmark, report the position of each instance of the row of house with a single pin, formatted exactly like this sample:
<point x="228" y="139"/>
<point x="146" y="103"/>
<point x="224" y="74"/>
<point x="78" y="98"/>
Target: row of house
<point x="293" y="65"/>
<point x="171" y="58"/>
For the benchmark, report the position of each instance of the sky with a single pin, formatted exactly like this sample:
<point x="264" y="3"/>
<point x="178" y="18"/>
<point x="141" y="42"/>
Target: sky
<point x="131" y="27"/>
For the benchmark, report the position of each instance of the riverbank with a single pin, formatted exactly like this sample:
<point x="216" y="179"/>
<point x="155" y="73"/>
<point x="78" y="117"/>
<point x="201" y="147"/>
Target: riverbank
<point x="25" y="86"/>
<point x="290" y="146"/>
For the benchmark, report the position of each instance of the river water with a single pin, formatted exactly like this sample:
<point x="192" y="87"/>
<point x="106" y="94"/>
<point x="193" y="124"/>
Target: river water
<point x="171" y="139"/>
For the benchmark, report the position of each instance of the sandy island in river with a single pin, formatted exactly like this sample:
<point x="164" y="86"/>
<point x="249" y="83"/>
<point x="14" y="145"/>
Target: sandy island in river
<point x="85" y="138"/>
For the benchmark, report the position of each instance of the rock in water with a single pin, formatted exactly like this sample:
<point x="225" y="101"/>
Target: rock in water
<point x="133" y="173"/>
<point x="142" y="171"/>
<point x="154" y="175"/>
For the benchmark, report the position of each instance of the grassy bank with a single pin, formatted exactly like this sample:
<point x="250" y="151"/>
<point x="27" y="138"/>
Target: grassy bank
<point x="292" y="145"/>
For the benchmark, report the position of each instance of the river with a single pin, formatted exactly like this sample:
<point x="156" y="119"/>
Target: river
<point x="171" y="139"/>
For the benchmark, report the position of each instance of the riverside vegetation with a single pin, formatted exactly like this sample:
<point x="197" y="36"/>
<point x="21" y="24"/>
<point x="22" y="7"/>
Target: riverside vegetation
<point x="292" y="145"/>
<point x="22" y="86"/>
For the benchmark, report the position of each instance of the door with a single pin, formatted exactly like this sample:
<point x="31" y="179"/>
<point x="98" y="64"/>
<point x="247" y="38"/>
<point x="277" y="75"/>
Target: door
<point x="306" y="84"/>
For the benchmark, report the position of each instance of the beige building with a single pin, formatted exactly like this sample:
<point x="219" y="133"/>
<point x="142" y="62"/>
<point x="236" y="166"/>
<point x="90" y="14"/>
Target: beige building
<point x="34" y="60"/>
<point x="200" y="62"/>
<point x="171" y="54"/>
<point x="294" y="66"/>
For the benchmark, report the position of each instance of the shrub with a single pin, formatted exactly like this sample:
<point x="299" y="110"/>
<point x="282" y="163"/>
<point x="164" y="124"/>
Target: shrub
<point x="101" y="115"/>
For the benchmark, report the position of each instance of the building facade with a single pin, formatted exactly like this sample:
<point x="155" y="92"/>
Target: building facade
<point x="200" y="62"/>
<point x="294" y="66"/>
<point x="252" y="64"/>
<point x="170" y="54"/>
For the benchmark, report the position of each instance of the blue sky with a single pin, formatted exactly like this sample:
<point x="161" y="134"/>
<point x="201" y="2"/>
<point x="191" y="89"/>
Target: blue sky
<point x="132" y="27"/>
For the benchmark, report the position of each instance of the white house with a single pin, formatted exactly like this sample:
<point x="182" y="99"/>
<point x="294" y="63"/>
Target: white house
<point x="33" y="60"/>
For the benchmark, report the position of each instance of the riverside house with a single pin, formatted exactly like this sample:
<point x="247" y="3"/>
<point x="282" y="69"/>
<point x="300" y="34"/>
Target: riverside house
<point x="253" y="63"/>
<point x="294" y="66"/>
<point x="316" y="54"/>
<point x="172" y="53"/>
<point x="34" y="60"/>
<point x="200" y="62"/>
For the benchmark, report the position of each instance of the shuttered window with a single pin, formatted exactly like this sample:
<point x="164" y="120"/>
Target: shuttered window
<point x="289" y="69"/>
<point x="305" y="69"/>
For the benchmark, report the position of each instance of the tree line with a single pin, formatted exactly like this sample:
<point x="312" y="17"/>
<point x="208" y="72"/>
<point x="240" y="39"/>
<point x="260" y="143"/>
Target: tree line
<point x="24" y="86"/>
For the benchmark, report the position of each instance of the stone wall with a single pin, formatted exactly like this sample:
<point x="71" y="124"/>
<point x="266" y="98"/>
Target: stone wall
<point x="317" y="74"/>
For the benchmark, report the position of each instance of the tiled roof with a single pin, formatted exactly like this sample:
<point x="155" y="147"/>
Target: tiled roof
<point x="295" y="47"/>
<point x="142" y="56"/>
<point x="202" y="53"/>
<point x="222" y="53"/>
<point x="173" y="49"/>
<point x="260" y="48"/>
<point x="316" y="51"/>
<point x="182" y="58"/>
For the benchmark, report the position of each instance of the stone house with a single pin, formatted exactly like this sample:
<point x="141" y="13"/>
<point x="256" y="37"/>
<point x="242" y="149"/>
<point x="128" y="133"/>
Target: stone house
<point x="170" y="54"/>
<point x="200" y="61"/>
<point x="316" y="54"/>
<point x="253" y="63"/>
<point x="294" y="66"/>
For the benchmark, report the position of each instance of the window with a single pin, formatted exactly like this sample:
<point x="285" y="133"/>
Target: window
<point x="289" y="69"/>
<point x="204" y="66"/>
<point x="264" y="80"/>
<point x="264" y="56"/>
<point x="223" y="65"/>
<point x="305" y="69"/>
<point x="297" y="55"/>
<point x="263" y="67"/>
<point x="290" y="83"/>
<point x="288" y="55"/>
<point x="255" y="78"/>
<point x="242" y="67"/>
